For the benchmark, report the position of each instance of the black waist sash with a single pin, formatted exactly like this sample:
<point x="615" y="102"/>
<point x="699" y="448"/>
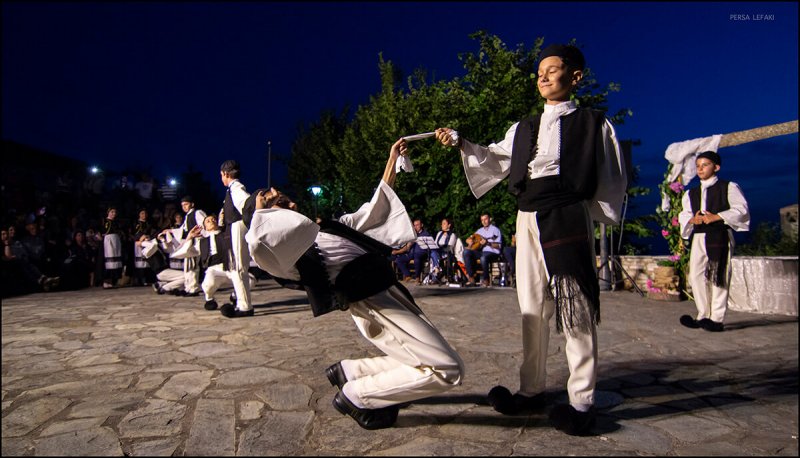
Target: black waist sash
<point x="564" y="235"/>
<point x="361" y="278"/>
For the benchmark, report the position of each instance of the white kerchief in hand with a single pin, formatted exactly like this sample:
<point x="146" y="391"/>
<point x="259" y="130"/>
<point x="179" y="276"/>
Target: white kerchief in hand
<point x="403" y="162"/>
<point x="411" y="138"/>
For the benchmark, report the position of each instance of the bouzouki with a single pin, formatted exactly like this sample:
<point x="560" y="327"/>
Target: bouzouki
<point x="476" y="242"/>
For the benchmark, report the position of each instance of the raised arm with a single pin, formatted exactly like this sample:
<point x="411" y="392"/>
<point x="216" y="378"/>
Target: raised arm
<point x="400" y="148"/>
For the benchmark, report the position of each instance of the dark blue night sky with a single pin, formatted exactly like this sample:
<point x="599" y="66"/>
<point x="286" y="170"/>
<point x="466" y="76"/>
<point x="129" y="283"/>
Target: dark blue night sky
<point x="172" y="83"/>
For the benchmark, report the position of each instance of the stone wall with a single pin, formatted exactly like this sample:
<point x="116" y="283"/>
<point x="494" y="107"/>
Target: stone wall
<point x="759" y="284"/>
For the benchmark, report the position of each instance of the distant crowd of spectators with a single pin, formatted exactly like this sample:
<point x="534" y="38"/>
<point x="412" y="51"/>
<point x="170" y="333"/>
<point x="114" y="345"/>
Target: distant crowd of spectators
<point x="56" y="244"/>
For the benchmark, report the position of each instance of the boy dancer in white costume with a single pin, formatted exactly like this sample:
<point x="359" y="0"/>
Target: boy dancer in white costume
<point x="711" y="212"/>
<point x="211" y="252"/>
<point x="191" y="268"/>
<point x="343" y="265"/>
<point x="564" y="167"/>
<point x="234" y="230"/>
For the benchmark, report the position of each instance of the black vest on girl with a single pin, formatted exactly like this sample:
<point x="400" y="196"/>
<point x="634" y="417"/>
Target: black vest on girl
<point x="444" y="244"/>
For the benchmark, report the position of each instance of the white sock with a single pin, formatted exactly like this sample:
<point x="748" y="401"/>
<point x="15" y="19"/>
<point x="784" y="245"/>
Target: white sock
<point x="581" y="407"/>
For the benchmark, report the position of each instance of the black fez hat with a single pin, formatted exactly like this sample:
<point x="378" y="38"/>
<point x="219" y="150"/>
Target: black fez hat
<point x="187" y="199"/>
<point x="711" y="156"/>
<point x="571" y="55"/>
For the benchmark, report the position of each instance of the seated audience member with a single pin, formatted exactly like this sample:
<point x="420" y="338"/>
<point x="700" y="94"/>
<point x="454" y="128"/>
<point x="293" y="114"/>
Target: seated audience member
<point x="17" y="258"/>
<point x="413" y="251"/>
<point x="484" y="245"/>
<point x="443" y="260"/>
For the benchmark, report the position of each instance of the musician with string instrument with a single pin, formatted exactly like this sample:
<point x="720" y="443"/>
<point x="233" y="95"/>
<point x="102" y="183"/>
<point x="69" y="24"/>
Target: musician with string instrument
<point x="485" y="245"/>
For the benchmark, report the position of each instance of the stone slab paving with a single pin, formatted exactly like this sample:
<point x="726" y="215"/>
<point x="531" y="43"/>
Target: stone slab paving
<point x="128" y="372"/>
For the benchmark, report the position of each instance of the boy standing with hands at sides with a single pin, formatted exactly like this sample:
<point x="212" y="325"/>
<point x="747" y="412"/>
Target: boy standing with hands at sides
<point x="565" y="169"/>
<point x="193" y="217"/>
<point x="711" y="212"/>
<point x="238" y="262"/>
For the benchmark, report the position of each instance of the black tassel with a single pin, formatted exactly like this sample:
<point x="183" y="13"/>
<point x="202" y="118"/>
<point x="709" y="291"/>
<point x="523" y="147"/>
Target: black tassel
<point x="567" y="291"/>
<point x="715" y="273"/>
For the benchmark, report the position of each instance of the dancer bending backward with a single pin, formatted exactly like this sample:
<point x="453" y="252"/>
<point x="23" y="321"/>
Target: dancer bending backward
<point x="343" y="265"/>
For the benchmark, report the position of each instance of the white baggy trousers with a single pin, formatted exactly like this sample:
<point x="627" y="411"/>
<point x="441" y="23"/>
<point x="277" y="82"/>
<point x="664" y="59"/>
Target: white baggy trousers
<point x="715" y="305"/>
<point x="537" y="308"/>
<point x="418" y="363"/>
<point x="217" y="277"/>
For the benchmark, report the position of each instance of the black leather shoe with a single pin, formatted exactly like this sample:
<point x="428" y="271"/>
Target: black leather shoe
<point x="335" y="375"/>
<point x="713" y="326"/>
<point x="232" y="298"/>
<point x="501" y="399"/>
<point x="230" y="311"/>
<point x="565" y="418"/>
<point x="689" y="322"/>
<point x="210" y="305"/>
<point x="702" y="323"/>
<point x="366" y="418"/>
<point x="194" y="294"/>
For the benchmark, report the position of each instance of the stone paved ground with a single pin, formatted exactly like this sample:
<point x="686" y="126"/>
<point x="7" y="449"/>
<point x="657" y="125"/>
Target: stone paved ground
<point x="128" y="372"/>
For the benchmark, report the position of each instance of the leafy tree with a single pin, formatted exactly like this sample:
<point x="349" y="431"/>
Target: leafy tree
<point x="313" y="159"/>
<point x="347" y="155"/>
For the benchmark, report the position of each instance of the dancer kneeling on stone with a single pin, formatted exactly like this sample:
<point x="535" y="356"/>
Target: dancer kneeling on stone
<point x="343" y="265"/>
<point x="212" y="252"/>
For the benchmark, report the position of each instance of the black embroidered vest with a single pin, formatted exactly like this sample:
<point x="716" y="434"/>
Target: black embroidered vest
<point x="207" y="259"/>
<point x="188" y="223"/>
<point x="580" y="156"/>
<point x="231" y="213"/>
<point x="716" y="201"/>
